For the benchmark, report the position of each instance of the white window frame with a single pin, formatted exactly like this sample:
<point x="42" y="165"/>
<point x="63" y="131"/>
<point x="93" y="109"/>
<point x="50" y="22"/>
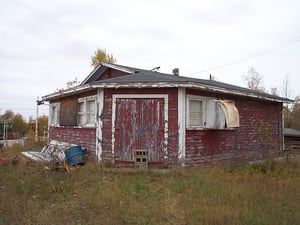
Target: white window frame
<point x="227" y="118"/>
<point x="54" y="112"/>
<point x="86" y="113"/>
<point x="204" y="111"/>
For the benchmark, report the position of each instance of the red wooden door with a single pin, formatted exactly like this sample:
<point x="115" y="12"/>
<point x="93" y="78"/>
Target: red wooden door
<point x="139" y="125"/>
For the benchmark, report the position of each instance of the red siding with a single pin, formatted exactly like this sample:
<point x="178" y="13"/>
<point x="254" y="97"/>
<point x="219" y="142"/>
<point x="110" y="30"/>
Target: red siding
<point x="260" y="131"/>
<point x="173" y="126"/>
<point x="257" y="119"/>
<point x="86" y="137"/>
<point x="111" y="73"/>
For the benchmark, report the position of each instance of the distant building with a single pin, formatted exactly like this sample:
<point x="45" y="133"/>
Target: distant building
<point x="292" y="141"/>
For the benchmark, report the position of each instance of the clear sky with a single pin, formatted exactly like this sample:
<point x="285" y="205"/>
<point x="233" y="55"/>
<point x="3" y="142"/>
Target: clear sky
<point x="44" y="44"/>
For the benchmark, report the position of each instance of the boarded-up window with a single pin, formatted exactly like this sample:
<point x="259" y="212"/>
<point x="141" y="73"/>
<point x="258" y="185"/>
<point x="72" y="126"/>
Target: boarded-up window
<point x="68" y="112"/>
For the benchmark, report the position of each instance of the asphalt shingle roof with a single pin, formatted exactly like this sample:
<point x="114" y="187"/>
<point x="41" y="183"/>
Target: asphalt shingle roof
<point x="291" y="132"/>
<point x="146" y="76"/>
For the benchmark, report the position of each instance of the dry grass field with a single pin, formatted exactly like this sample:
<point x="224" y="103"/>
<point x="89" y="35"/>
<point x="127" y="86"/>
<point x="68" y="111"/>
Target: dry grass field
<point x="97" y="194"/>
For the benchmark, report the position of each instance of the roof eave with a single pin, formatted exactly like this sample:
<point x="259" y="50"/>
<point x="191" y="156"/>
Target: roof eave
<point x="91" y="74"/>
<point x="186" y="85"/>
<point x="67" y="92"/>
<point x="192" y="85"/>
<point x="116" y="67"/>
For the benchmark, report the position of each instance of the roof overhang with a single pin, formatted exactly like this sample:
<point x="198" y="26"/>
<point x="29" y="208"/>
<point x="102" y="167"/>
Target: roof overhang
<point x="191" y="85"/>
<point x="291" y="132"/>
<point x="67" y="92"/>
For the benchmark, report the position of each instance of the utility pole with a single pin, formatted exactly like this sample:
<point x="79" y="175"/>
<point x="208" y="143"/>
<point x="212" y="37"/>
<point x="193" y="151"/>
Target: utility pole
<point x="38" y="103"/>
<point x="4" y="131"/>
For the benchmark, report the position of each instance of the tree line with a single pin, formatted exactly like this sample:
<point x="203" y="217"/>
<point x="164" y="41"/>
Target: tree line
<point x="14" y="126"/>
<point x="291" y="112"/>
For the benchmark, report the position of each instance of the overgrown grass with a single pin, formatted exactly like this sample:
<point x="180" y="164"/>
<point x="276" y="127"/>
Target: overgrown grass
<point x="95" y="194"/>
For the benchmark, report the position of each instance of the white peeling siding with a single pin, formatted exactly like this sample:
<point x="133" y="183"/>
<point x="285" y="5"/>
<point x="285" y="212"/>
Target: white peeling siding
<point x="99" y="116"/>
<point x="181" y="125"/>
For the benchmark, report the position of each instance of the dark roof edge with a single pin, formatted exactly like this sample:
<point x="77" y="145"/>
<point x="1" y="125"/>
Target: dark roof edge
<point x="195" y="83"/>
<point x="288" y="132"/>
<point x="108" y="65"/>
<point x="189" y="85"/>
<point x="67" y="92"/>
<point x="91" y="73"/>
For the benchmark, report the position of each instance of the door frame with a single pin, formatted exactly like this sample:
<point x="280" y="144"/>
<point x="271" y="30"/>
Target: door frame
<point x="140" y="96"/>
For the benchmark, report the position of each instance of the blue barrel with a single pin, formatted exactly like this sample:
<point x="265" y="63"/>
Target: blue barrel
<point x="75" y="155"/>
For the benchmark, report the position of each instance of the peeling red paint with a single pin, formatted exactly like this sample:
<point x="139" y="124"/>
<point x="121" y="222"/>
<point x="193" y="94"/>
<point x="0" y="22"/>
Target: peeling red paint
<point x="239" y="144"/>
<point x="85" y="137"/>
<point x="139" y="125"/>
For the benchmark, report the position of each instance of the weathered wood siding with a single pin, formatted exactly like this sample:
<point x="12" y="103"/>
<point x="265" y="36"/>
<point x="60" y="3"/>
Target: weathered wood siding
<point x="139" y="125"/>
<point x="259" y="134"/>
<point x="127" y="116"/>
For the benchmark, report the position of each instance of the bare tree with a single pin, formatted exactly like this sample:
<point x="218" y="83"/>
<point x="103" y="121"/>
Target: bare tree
<point x="254" y="80"/>
<point x="286" y="87"/>
<point x="73" y="83"/>
<point x="296" y="114"/>
<point x="274" y="91"/>
<point x="289" y="110"/>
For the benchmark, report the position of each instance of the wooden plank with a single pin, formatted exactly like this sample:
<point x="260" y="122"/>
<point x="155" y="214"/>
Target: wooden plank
<point x="68" y="111"/>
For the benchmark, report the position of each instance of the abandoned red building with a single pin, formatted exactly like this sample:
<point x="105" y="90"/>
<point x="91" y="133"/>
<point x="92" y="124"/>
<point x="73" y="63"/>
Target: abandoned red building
<point x="127" y="115"/>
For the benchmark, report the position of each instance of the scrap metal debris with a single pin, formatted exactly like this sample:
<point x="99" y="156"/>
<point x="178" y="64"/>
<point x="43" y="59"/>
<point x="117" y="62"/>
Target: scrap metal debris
<point x="55" y="150"/>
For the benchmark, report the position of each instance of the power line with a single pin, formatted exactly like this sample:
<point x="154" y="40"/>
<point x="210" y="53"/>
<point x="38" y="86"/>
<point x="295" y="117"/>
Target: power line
<point x="257" y="54"/>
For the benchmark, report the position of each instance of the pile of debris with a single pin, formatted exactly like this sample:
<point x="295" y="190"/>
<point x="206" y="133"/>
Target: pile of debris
<point x="58" y="152"/>
<point x="55" y="150"/>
